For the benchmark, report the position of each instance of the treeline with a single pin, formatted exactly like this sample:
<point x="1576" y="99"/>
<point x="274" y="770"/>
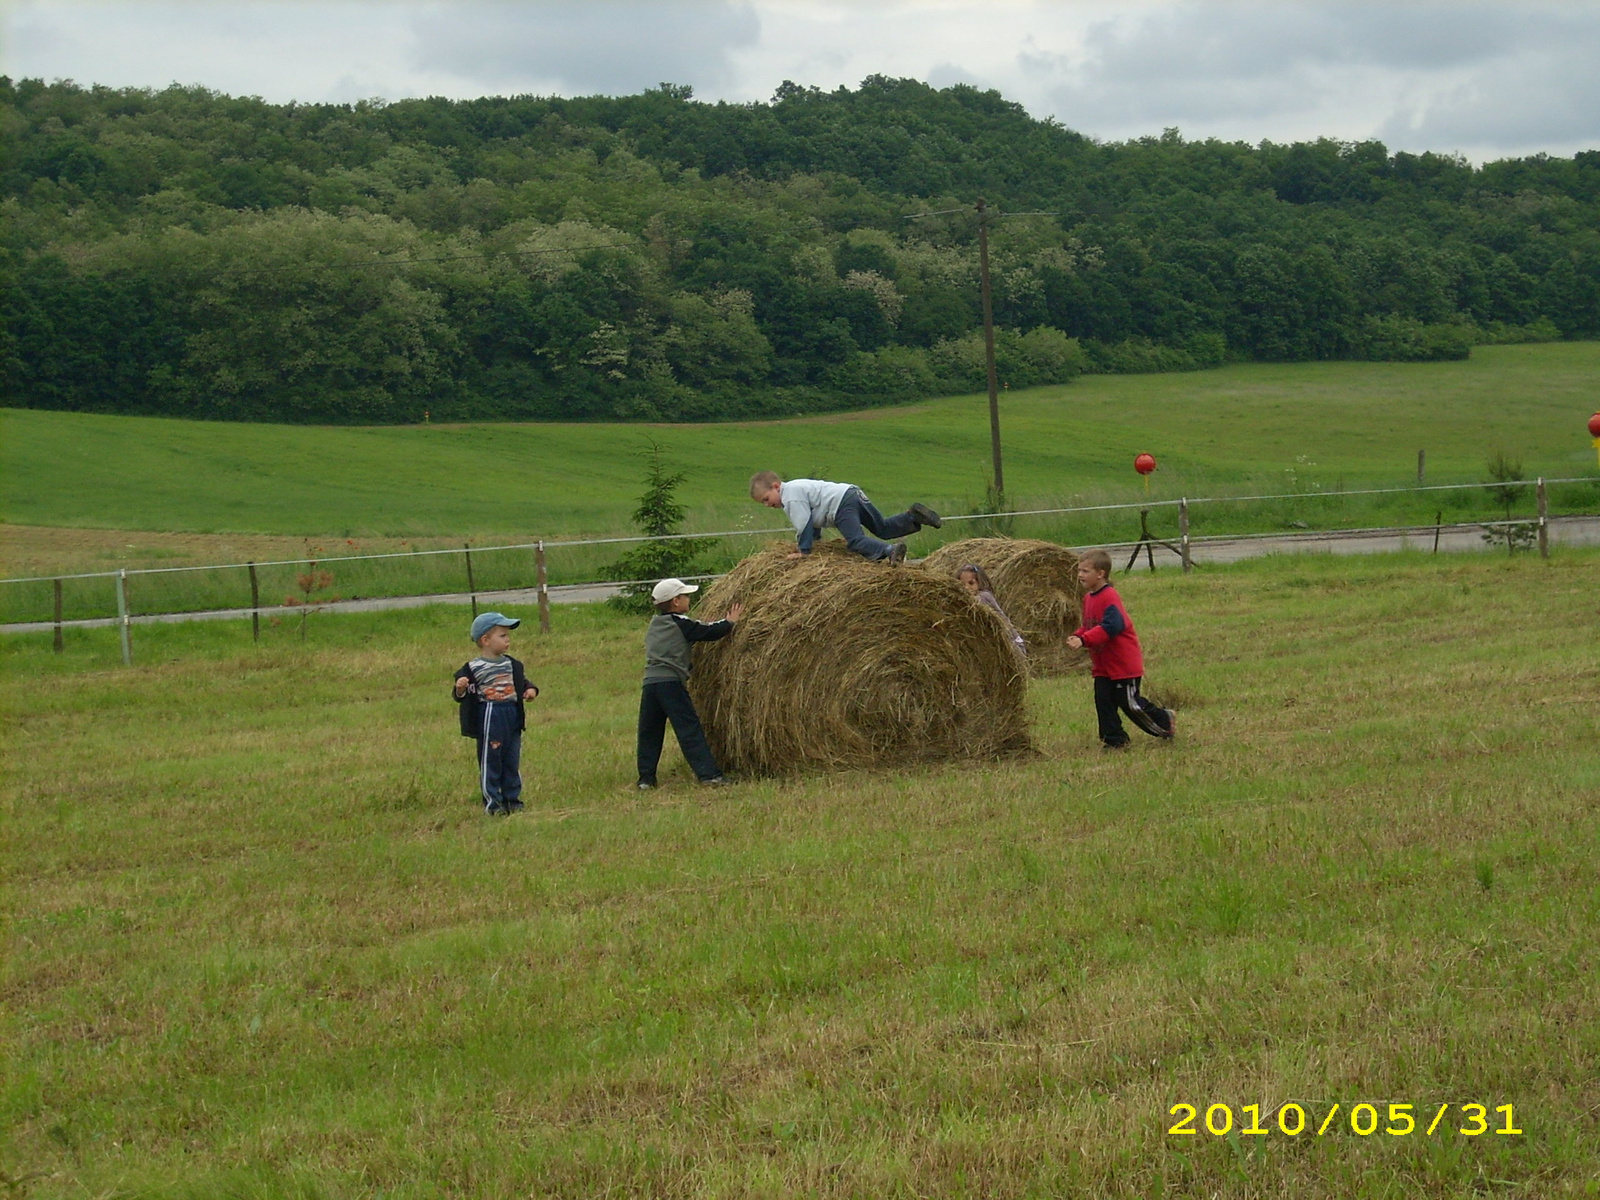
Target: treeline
<point x="653" y="257"/>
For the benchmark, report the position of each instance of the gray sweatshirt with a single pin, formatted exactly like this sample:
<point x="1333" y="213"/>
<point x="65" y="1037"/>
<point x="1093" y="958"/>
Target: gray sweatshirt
<point x="666" y="645"/>
<point x="811" y="505"/>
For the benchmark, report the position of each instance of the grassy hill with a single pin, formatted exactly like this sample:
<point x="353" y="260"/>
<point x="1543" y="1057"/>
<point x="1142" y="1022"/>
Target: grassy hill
<point x="1250" y="427"/>
<point x="260" y="941"/>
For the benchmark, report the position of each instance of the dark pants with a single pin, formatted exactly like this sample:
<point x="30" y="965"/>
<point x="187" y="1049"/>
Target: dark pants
<point x="1111" y="695"/>
<point x="856" y="512"/>
<point x="663" y="701"/>
<point x="499" y="755"/>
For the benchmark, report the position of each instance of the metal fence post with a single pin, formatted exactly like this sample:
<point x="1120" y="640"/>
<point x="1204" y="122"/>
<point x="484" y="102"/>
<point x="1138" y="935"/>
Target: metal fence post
<point x="1438" y="519"/>
<point x="58" y="616"/>
<point x="1544" y="516"/>
<point x="122" y="618"/>
<point x="1183" y="532"/>
<point x="255" y="604"/>
<point x="472" y="588"/>
<point x="544" y="591"/>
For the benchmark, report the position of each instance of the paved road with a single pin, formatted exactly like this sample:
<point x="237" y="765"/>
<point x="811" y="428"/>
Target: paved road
<point x="1564" y="531"/>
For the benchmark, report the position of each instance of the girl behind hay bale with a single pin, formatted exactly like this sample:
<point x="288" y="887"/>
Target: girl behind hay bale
<point x="839" y="663"/>
<point x="975" y="580"/>
<point x="1037" y="581"/>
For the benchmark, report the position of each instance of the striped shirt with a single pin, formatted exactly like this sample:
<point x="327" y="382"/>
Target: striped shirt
<point x="492" y="677"/>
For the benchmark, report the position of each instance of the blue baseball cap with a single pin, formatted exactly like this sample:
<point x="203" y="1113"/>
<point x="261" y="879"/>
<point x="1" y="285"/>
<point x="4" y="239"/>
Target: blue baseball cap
<point x="483" y="622"/>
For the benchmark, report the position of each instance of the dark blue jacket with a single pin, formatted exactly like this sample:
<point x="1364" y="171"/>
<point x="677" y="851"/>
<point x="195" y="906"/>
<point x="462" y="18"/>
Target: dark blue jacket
<point x="472" y="705"/>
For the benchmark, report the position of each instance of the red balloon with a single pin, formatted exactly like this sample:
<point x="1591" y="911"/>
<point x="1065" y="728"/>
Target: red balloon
<point x="1594" y="425"/>
<point x="1146" y="463"/>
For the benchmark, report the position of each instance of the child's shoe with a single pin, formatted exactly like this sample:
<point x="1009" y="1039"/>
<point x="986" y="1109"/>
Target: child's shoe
<point x="513" y="806"/>
<point x="496" y="810"/>
<point x="645" y="785"/>
<point x="896" y="555"/>
<point x="926" y="516"/>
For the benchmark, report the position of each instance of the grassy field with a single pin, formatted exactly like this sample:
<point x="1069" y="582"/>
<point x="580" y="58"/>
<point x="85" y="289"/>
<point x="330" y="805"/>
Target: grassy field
<point x="259" y="941"/>
<point x="1300" y="427"/>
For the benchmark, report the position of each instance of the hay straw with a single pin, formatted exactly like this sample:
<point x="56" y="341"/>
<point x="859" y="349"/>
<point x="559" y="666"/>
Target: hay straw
<point x="840" y="662"/>
<point x="1037" y="584"/>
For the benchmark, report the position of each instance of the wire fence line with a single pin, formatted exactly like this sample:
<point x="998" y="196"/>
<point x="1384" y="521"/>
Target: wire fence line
<point x="127" y="621"/>
<point x="410" y="577"/>
<point x="783" y="531"/>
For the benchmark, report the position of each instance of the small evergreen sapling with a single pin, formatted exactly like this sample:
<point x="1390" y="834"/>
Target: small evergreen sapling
<point x="1507" y="474"/>
<point x="659" y="514"/>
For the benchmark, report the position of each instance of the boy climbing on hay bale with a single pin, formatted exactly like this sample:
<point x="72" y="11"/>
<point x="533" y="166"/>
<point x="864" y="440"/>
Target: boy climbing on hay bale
<point x="814" y="504"/>
<point x="1107" y="633"/>
<point x="665" y="696"/>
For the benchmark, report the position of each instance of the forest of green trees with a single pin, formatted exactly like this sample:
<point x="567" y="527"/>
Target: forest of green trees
<point x="654" y="257"/>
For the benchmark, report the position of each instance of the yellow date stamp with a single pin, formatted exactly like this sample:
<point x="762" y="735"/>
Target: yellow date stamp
<point x="1293" y="1120"/>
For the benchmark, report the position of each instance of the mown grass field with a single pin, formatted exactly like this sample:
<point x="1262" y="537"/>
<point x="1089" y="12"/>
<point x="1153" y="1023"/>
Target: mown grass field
<point x="260" y="942"/>
<point x="1299" y="427"/>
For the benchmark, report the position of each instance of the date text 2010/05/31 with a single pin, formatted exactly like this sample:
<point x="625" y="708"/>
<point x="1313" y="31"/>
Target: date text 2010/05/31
<point x="1290" y="1120"/>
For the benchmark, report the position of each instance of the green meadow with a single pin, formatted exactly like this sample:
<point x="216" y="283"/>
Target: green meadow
<point x="259" y="941"/>
<point x="1245" y="428"/>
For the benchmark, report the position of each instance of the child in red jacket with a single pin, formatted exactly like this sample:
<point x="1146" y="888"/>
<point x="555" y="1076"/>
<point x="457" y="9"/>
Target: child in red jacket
<point x="1107" y="633"/>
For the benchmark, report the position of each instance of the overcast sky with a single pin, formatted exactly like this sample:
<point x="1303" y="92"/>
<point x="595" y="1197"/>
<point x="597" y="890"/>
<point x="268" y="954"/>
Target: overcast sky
<point x="1482" y="79"/>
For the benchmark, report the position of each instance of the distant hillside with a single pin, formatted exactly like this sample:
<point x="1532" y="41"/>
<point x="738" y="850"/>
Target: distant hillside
<point x="651" y="256"/>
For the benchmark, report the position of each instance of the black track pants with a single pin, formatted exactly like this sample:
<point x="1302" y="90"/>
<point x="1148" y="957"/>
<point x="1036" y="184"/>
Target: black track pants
<point x="665" y="701"/>
<point x="1114" y="695"/>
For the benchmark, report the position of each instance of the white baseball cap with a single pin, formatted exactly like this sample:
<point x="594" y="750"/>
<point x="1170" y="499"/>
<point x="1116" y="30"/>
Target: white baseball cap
<point x="670" y="589"/>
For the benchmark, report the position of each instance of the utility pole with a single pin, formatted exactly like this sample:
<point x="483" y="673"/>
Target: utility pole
<point x="985" y="215"/>
<point x="988" y="350"/>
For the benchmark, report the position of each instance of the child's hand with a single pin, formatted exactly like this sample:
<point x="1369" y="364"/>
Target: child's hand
<point x="735" y="611"/>
<point x="531" y="694"/>
<point x="1075" y="642"/>
<point x="796" y="554"/>
<point x="462" y="685"/>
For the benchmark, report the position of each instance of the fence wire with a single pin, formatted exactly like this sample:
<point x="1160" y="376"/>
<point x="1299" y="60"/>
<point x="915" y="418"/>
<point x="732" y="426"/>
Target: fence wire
<point x="470" y="572"/>
<point x="784" y="531"/>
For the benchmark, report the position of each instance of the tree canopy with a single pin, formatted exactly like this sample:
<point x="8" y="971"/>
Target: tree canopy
<point x="654" y="257"/>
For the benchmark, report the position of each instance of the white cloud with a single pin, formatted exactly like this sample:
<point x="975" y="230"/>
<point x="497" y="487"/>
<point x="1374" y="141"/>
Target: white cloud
<point x="1486" y="78"/>
<point x="604" y="47"/>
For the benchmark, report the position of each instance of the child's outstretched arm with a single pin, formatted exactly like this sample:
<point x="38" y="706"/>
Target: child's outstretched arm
<point x="1112" y="623"/>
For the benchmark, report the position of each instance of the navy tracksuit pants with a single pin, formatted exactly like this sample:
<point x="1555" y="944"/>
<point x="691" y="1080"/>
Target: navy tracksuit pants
<point x="499" y="755"/>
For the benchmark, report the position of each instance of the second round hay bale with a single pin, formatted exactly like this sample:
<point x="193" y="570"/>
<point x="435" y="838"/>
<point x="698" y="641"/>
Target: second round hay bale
<point x="840" y="662"/>
<point x="1036" y="583"/>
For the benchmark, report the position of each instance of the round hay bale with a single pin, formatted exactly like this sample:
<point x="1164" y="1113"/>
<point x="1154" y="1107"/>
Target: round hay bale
<point x="839" y="662"/>
<point x="1036" y="583"/>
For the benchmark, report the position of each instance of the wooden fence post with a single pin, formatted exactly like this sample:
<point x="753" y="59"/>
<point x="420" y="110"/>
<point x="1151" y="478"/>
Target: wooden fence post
<point x="544" y="591"/>
<point x="1422" y="466"/>
<point x="58" y="616"/>
<point x="122" y="618"/>
<point x="255" y="604"/>
<point x="472" y="588"/>
<point x="1183" y="532"/>
<point x="1544" y="515"/>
